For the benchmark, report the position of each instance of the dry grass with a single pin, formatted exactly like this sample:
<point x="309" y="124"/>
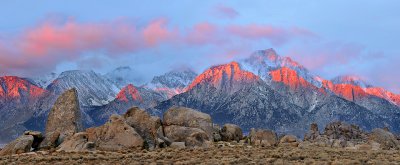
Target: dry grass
<point x="214" y="155"/>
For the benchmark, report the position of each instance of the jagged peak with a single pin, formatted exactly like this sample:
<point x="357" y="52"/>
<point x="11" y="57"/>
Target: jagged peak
<point x="129" y="92"/>
<point x="226" y="72"/>
<point x="12" y="86"/>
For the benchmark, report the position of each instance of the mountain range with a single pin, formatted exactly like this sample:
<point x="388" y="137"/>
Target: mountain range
<point x="264" y="90"/>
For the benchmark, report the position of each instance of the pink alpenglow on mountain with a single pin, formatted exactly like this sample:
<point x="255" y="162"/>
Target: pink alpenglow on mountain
<point x="129" y="93"/>
<point x="218" y="75"/>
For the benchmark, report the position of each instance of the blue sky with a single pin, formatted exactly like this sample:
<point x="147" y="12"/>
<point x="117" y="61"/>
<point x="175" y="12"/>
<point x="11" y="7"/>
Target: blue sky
<point x="330" y="38"/>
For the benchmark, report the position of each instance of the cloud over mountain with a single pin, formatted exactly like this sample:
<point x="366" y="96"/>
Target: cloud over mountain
<point x="52" y="43"/>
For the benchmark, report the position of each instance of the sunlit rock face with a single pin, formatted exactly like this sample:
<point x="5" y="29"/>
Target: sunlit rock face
<point x="129" y="93"/>
<point x="17" y="89"/>
<point x="355" y="89"/>
<point x="385" y="94"/>
<point x="375" y="99"/>
<point x="228" y="77"/>
<point x="18" y="98"/>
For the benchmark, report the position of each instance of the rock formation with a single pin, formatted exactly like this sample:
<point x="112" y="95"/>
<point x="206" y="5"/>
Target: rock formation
<point x="263" y="137"/>
<point x="37" y="138"/>
<point x="20" y="145"/>
<point x="312" y="134"/>
<point x="77" y="142"/>
<point x="289" y="140"/>
<point x="64" y="119"/>
<point x="230" y="132"/>
<point x="341" y="134"/>
<point x="115" y="135"/>
<point x="341" y="130"/>
<point x="144" y="124"/>
<point x="188" y="117"/>
<point x="187" y="125"/>
<point x="193" y="137"/>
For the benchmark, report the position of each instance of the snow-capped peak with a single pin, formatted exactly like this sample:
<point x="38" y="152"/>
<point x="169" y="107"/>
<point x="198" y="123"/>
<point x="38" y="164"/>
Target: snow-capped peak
<point x="263" y="61"/>
<point x="93" y="89"/>
<point x="173" y="82"/>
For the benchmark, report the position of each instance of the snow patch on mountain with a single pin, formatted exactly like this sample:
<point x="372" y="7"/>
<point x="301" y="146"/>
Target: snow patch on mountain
<point x="93" y="89"/>
<point x="173" y="82"/>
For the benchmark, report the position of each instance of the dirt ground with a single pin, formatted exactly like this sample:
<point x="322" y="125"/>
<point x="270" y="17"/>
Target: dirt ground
<point x="214" y="155"/>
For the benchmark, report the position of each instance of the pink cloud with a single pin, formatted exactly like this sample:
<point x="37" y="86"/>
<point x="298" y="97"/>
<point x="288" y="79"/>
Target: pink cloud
<point x="202" y="33"/>
<point x="44" y="46"/>
<point x="157" y="32"/>
<point x="226" y="12"/>
<point x="41" y="48"/>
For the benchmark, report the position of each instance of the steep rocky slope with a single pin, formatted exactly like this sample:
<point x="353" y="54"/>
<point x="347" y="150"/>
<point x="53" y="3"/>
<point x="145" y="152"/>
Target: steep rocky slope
<point x="18" y="97"/>
<point x="93" y="89"/>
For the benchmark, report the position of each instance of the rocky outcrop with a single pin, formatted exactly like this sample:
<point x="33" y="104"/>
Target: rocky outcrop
<point x="77" y="142"/>
<point x="144" y="124"/>
<point x="183" y="124"/>
<point x="289" y="140"/>
<point x="115" y="135"/>
<point x="336" y="134"/>
<point x="263" y="137"/>
<point x="193" y="137"/>
<point x="37" y="138"/>
<point x="313" y="133"/>
<point x="386" y="139"/>
<point x="231" y="132"/>
<point x="64" y="119"/>
<point x="344" y="131"/>
<point x="22" y="144"/>
<point x="188" y="117"/>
